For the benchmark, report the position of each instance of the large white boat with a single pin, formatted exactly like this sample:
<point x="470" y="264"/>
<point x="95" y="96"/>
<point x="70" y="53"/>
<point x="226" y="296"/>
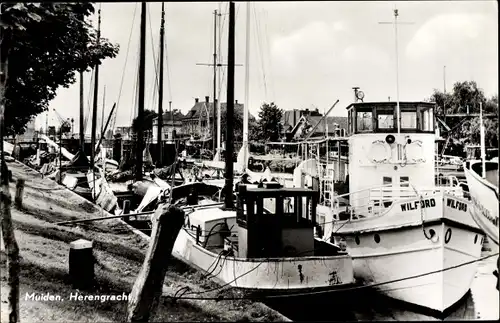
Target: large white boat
<point x="403" y="232"/>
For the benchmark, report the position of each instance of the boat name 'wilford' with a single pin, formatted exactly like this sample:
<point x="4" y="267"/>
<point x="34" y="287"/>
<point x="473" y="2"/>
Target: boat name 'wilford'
<point x="410" y="206"/>
<point x="461" y="206"/>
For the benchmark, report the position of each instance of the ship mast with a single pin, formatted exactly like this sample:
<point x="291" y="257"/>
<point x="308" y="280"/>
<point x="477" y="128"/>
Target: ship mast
<point x="94" y="109"/>
<point x="160" y="89"/>
<point x="247" y="91"/>
<point x="140" y="113"/>
<point x="228" y="200"/>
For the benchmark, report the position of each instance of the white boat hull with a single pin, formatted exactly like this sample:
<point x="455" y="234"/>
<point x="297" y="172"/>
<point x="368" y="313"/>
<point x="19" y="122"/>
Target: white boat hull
<point x="485" y="202"/>
<point x="277" y="274"/>
<point x="403" y="251"/>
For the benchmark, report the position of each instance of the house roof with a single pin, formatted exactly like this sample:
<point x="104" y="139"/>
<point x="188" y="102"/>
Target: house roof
<point x="167" y="116"/>
<point x="199" y="108"/>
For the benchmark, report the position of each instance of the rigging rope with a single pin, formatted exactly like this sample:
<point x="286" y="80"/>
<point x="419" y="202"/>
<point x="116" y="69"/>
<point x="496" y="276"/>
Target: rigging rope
<point x="155" y="63"/>
<point x="259" y="45"/>
<point x="124" y="67"/>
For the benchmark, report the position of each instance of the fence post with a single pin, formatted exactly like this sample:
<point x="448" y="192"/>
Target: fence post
<point x="148" y="286"/>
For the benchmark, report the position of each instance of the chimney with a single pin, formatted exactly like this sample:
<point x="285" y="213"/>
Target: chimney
<point x="236" y="101"/>
<point x="196" y="100"/>
<point x="207" y="98"/>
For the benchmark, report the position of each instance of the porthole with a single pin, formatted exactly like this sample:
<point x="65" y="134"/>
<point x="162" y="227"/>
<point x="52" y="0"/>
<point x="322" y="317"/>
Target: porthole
<point x="475" y="239"/>
<point x="357" y="240"/>
<point x="376" y="237"/>
<point x="447" y="236"/>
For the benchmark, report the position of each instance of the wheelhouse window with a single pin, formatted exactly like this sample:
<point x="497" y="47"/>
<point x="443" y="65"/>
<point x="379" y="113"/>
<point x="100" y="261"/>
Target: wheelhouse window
<point x="408" y="120"/>
<point x="385" y="120"/>
<point x="427" y="119"/>
<point x="364" y="121"/>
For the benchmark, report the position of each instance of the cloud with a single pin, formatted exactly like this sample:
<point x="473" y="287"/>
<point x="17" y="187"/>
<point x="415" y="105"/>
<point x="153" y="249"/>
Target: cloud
<point x="447" y="33"/>
<point x="315" y="43"/>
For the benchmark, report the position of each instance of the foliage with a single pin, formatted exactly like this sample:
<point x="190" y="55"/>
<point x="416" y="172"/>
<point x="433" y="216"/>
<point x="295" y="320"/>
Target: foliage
<point x="147" y="125"/>
<point x="269" y="124"/>
<point x="237" y="121"/>
<point x="46" y="44"/>
<point x="465" y="97"/>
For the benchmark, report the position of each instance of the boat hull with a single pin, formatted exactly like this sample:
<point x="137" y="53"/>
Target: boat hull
<point x="404" y="262"/>
<point x="276" y="274"/>
<point x="485" y="202"/>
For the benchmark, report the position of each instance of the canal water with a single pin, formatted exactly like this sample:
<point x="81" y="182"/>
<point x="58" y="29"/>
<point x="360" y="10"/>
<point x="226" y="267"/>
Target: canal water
<point x="481" y="303"/>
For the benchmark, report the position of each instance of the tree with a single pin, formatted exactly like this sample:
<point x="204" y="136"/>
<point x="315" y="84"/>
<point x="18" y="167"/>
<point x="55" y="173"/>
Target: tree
<point x="48" y="43"/>
<point x="147" y="125"/>
<point x="269" y="122"/>
<point x="237" y="121"/>
<point x="464" y="97"/>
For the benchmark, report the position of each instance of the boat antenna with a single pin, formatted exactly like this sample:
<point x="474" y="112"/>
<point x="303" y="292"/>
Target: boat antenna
<point x="396" y="23"/>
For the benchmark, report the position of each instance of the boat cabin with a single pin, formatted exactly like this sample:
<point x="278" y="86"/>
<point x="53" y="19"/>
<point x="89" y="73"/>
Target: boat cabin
<point x="276" y="222"/>
<point x="383" y="153"/>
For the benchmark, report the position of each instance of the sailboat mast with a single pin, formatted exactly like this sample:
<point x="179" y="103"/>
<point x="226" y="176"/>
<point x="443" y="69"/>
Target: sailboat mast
<point x="482" y="140"/>
<point x="140" y="112"/>
<point x="160" y="89"/>
<point x="214" y="126"/>
<point x="219" y="138"/>
<point x="82" y="131"/>
<point x="228" y="199"/>
<point x="247" y="90"/>
<point x="102" y="111"/>
<point x="96" y="91"/>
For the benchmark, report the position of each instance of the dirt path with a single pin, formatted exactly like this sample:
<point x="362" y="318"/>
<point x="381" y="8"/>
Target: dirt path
<point x="44" y="250"/>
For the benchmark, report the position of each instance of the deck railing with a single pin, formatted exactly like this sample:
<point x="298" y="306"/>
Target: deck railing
<point x="376" y="200"/>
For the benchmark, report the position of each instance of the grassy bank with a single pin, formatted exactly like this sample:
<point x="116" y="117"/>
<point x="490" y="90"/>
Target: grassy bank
<point x="44" y="250"/>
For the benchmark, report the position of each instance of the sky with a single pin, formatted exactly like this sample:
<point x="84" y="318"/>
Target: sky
<point x="302" y="54"/>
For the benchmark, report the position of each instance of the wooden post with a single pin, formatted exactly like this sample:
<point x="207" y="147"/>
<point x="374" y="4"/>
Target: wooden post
<point x="81" y="264"/>
<point x="18" y="200"/>
<point x="148" y="286"/>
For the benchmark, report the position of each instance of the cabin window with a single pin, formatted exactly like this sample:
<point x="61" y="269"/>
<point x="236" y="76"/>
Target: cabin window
<point x="385" y="121"/>
<point x="387" y="180"/>
<point x="364" y="121"/>
<point x="427" y="123"/>
<point x="404" y="181"/>
<point x="408" y="120"/>
<point x="269" y="205"/>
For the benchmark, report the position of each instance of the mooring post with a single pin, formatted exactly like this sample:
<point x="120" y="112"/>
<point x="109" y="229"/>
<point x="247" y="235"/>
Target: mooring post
<point x="148" y="286"/>
<point x="81" y="264"/>
<point x="18" y="200"/>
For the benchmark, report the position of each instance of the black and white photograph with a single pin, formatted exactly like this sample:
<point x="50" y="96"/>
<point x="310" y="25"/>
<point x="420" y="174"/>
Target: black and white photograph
<point x="234" y="161"/>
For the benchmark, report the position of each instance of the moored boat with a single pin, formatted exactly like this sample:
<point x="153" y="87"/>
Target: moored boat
<point x="267" y="244"/>
<point x="404" y="233"/>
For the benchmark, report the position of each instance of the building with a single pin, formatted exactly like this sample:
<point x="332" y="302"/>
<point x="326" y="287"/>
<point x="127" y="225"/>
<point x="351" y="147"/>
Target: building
<point x="199" y="121"/>
<point x="125" y="132"/>
<point x="172" y="122"/>
<point x="298" y="123"/>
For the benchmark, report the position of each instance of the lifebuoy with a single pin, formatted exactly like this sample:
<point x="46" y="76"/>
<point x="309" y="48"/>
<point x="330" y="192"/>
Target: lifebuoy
<point x="387" y="151"/>
<point x="447" y="235"/>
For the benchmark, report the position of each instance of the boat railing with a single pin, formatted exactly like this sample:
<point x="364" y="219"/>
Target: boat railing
<point x="374" y="201"/>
